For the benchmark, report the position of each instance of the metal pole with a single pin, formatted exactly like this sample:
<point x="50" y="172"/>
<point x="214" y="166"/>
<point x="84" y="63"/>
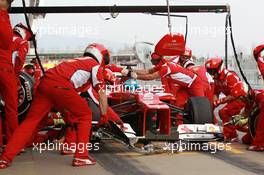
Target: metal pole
<point x="123" y="9"/>
<point x="169" y="17"/>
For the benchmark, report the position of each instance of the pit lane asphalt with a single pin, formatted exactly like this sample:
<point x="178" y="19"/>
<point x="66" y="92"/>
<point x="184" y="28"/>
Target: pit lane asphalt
<point x="114" y="159"/>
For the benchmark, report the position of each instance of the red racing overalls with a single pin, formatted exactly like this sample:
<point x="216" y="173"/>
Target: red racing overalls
<point x="260" y="62"/>
<point x="20" y="50"/>
<point x="225" y="84"/>
<point x="70" y="135"/>
<point x="177" y="75"/>
<point x="8" y="82"/>
<point x="182" y="83"/>
<point x="258" y="98"/>
<point x="59" y="89"/>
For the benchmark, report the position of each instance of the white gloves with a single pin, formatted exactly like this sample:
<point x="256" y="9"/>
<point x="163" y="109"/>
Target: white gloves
<point x="124" y="72"/>
<point x="134" y="75"/>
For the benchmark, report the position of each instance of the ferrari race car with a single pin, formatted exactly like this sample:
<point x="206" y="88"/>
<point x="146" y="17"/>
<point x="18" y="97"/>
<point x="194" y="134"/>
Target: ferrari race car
<point x="148" y="116"/>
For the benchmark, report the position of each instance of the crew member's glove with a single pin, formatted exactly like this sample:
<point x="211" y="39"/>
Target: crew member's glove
<point x="237" y="120"/>
<point x="242" y="122"/>
<point x="103" y="120"/>
<point x="220" y="101"/>
<point x="134" y="75"/>
<point x="125" y="72"/>
<point x="58" y="122"/>
<point x="217" y="103"/>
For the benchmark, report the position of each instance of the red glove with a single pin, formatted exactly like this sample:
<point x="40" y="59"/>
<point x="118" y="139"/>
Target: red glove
<point x="103" y="120"/>
<point x="219" y="102"/>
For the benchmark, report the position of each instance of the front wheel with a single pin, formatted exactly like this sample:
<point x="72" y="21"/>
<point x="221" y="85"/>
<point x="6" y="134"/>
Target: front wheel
<point x="24" y="94"/>
<point x="200" y="110"/>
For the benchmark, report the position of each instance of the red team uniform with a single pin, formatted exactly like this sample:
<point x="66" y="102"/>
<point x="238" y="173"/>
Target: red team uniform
<point x="181" y="82"/>
<point x="8" y="81"/>
<point x="259" y="58"/>
<point x="258" y="98"/>
<point x="20" y="46"/>
<point x="177" y="75"/>
<point x="229" y="84"/>
<point x="59" y="89"/>
<point x="70" y="135"/>
<point x="185" y="60"/>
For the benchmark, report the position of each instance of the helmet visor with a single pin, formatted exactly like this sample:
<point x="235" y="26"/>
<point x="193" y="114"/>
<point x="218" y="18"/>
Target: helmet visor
<point x="106" y="59"/>
<point x="212" y="72"/>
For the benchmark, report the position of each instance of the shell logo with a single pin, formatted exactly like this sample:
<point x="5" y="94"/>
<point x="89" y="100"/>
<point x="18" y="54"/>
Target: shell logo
<point x="211" y="129"/>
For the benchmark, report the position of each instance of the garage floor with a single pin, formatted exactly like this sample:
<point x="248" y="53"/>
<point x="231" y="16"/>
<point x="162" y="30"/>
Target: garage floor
<point x="114" y="159"/>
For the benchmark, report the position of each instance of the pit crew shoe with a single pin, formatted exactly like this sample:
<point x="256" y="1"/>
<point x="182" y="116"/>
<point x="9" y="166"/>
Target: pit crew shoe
<point x="78" y="162"/>
<point x="255" y="148"/>
<point x="4" y="164"/>
<point x="232" y="140"/>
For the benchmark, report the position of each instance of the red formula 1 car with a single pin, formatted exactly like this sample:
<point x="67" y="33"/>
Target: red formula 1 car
<point x="149" y="116"/>
<point x="147" y="113"/>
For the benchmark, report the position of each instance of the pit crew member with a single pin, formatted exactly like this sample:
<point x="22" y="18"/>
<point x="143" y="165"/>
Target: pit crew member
<point x="70" y="135"/>
<point x="185" y="60"/>
<point x="259" y="58"/>
<point x="208" y="82"/>
<point x="59" y="89"/>
<point x="176" y="76"/>
<point x="228" y="83"/>
<point x="8" y="82"/>
<point x="257" y="99"/>
<point x="20" y="46"/>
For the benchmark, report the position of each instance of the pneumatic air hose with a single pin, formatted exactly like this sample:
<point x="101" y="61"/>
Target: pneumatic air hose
<point x="33" y="37"/>
<point x="235" y="52"/>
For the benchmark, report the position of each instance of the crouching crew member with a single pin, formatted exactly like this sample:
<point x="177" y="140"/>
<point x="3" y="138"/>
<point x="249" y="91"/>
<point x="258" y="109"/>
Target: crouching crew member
<point x="208" y="81"/>
<point x="257" y="99"/>
<point x="228" y="83"/>
<point x="59" y="89"/>
<point x="109" y="78"/>
<point x="185" y="60"/>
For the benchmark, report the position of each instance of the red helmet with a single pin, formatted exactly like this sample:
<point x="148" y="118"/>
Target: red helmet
<point x="155" y="58"/>
<point x="238" y="90"/>
<point x="214" y="65"/>
<point x="22" y="31"/>
<point x="257" y="51"/>
<point x="99" y="52"/>
<point x="171" y="45"/>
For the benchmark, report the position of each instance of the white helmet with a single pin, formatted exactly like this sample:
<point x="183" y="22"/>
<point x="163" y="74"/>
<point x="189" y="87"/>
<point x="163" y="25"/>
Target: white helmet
<point x="98" y="52"/>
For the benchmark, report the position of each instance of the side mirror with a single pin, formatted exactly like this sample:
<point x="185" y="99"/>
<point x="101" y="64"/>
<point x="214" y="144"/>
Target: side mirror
<point x="143" y="51"/>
